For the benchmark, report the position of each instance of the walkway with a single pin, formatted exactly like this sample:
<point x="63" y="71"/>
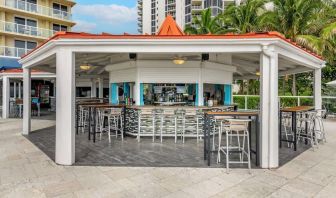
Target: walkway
<point x="25" y="171"/>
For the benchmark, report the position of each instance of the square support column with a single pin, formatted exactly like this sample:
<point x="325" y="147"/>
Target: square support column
<point x="101" y="87"/>
<point x="317" y="89"/>
<point x="20" y="90"/>
<point x="269" y="110"/>
<point x="65" y="107"/>
<point x="93" y="88"/>
<point x="26" y="101"/>
<point x="14" y="90"/>
<point x="5" y="97"/>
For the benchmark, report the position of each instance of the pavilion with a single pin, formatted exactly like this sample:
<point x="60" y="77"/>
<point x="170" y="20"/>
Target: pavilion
<point x="236" y="56"/>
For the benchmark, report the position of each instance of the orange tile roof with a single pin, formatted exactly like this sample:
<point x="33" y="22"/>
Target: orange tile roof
<point x="169" y="27"/>
<point x="10" y="71"/>
<point x="170" y="30"/>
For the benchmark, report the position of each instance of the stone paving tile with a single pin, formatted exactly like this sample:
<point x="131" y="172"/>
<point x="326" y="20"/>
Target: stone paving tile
<point x="25" y="171"/>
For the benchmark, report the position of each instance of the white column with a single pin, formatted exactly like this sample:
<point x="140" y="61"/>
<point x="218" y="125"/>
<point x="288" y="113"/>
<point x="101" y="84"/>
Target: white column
<point x="93" y="88"/>
<point x="136" y="91"/>
<point x="101" y="87"/>
<point x="269" y="110"/>
<point x="14" y="90"/>
<point x="20" y="90"/>
<point x="200" y="101"/>
<point x="65" y="107"/>
<point x="317" y="88"/>
<point x="26" y="101"/>
<point x="5" y="97"/>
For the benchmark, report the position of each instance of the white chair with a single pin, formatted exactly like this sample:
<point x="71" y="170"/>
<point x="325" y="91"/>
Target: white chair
<point x="306" y="128"/>
<point x="83" y="117"/>
<point x="190" y="123"/>
<point x="319" y="126"/>
<point x="235" y="129"/>
<point x="146" y="121"/>
<point x="168" y="117"/>
<point x="115" y="123"/>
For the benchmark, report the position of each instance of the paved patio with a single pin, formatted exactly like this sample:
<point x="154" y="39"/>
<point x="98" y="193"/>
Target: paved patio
<point x="25" y="171"/>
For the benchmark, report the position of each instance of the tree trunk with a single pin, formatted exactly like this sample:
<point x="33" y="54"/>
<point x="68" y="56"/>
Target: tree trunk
<point x="294" y="86"/>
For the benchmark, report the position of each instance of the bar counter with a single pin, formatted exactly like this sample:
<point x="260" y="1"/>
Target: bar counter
<point x="132" y="113"/>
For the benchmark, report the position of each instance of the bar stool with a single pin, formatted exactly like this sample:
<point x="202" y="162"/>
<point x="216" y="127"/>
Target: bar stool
<point x="319" y="128"/>
<point x="83" y="117"/>
<point x="115" y="122"/>
<point x="190" y="122"/>
<point x="308" y="134"/>
<point x="169" y="120"/>
<point x="235" y="128"/>
<point x="146" y="120"/>
<point x="287" y="126"/>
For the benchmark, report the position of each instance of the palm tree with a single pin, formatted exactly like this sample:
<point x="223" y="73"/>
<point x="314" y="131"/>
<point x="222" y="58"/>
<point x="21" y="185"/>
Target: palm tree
<point x="308" y="22"/>
<point x="205" y="24"/>
<point x="244" y="18"/>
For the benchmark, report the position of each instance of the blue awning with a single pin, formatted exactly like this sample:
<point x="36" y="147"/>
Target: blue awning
<point x="9" y="63"/>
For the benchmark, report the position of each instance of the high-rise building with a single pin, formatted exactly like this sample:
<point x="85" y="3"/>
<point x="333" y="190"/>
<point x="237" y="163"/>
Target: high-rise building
<point x="151" y="13"/>
<point x="24" y="24"/>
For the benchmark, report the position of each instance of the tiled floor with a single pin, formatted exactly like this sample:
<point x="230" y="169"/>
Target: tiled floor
<point x="25" y="171"/>
<point x="146" y="153"/>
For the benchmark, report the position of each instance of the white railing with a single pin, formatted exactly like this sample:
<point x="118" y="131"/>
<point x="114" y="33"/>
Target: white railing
<point x="291" y="101"/>
<point x="12" y="51"/>
<point x="25" y="29"/>
<point x="38" y="9"/>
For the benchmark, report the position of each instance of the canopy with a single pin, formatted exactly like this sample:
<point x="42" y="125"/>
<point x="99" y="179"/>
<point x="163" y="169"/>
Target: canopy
<point x="9" y="63"/>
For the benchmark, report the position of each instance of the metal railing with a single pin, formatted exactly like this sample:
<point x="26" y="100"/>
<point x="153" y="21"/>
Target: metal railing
<point x="38" y="9"/>
<point x="25" y="29"/>
<point x="13" y="51"/>
<point x="252" y="101"/>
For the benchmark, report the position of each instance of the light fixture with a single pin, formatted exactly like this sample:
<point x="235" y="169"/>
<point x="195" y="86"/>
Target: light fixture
<point x="85" y="66"/>
<point x="179" y="61"/>
<point x="257" y="73"/>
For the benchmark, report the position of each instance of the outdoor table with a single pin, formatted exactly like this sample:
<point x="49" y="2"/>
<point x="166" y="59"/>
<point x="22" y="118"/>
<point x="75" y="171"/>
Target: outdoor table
<point x="93" y="110"/>
<point x="249" y="114"/>
<point x="294" y="111"/>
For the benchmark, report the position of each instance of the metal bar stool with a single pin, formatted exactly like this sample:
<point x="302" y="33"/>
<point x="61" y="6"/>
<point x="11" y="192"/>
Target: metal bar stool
<point x="306" y="129"/>
<point x="169" y="120"/>
<point x="146" y="120"/>
<point x="235" y="128"/>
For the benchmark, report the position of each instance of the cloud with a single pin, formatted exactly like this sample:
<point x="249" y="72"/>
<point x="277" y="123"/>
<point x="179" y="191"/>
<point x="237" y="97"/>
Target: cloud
<point x="112" y="14"/>
<point x="84" y="26"/>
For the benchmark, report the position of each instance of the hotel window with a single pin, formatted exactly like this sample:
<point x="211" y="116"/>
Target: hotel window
<point x="23" y="47"/>
<point x="21" y="26"/>
<point x="28" y="5"/>
<point x="58" y="27"/>
<point x="59" y="9"/>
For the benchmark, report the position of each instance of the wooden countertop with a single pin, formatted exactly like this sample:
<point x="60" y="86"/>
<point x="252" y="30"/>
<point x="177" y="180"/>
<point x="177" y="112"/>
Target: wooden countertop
<point x="234" y="113"/>
<point x="177" y="107"/>
<point x="298" y="109"/>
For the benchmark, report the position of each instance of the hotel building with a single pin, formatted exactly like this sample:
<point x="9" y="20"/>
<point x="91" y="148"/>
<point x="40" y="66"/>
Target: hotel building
<point x="25" y="24"/>
<point x="151" y="13"/>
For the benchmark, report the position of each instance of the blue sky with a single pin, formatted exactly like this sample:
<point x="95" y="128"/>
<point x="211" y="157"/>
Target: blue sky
<point x="112" y="16"/>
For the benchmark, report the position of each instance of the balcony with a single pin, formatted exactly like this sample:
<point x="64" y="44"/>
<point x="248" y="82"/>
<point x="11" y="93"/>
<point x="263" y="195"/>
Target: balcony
<point x="15" y="52"/>
<point x="25" y="30"/>
<point x="38" y="9"/>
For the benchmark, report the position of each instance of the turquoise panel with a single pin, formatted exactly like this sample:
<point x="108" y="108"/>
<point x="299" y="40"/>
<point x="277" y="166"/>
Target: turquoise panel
<point x="114" y="93"/>
<point x="141" y="94"/>
<point x="197" y="96"/>
<point x="126" y="90"/>
<point x="228" y="94"/>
